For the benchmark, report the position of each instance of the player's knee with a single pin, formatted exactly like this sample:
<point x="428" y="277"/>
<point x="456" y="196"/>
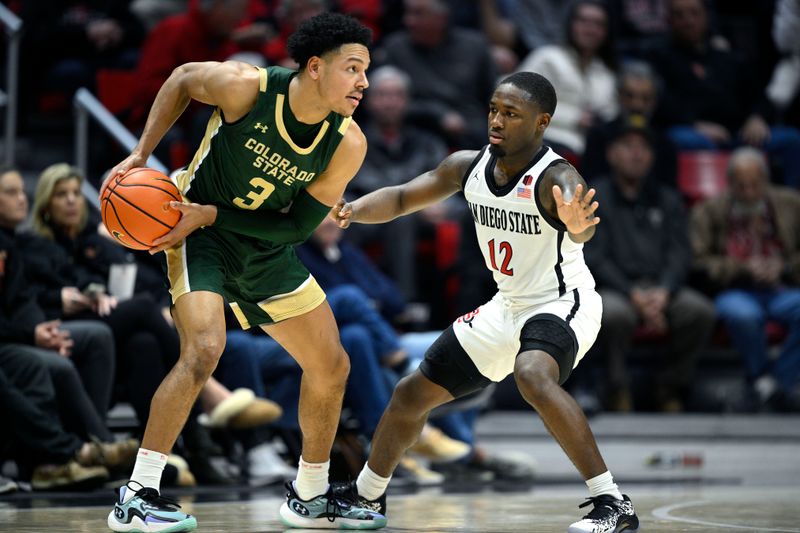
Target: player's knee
<point x="408" y="397"/>
<point x="201" y="353"/>
<point x="332" y="367"/>
<point x="534" y="381"/>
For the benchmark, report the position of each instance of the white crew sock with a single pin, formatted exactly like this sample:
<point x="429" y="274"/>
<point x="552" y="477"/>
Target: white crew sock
<point x="603" y="484"/>
<point x="147" y="470"/>
<point x="370" y="485"/>
<point x="312" y="479"/>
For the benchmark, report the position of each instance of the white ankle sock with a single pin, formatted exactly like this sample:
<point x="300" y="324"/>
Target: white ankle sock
<point x="147" y="470"/>
<point x="370" y="485"/>
<point x="312" y="479"/>
<point x="603" y="484"/>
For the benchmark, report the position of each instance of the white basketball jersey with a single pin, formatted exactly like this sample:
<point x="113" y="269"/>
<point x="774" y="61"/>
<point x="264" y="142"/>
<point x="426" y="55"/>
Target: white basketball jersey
<point x="530" y="254"/>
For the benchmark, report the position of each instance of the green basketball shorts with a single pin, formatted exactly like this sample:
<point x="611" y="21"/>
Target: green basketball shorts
<point x="263" y="282"/>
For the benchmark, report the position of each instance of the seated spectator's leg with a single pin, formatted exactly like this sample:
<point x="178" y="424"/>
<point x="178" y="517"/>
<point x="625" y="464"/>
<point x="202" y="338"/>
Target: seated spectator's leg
<point x="616" y="334"/>
<point x="240" y="364"/>
<point x="785" y="307"/>
<point x="28" y="404"/>
<point x="416" y="344"/>
<point x="400" y="255"/>
<point x="277" y="375"/>
<point x="140" y="370"/>
<point x="690" y="318"/>
<point x="142" y="313"/>
<point x="745" y="320"/>
<point x="367" y="392"/>
<point x="74" y="405"/>
<point x="458" y="425"/>
<point x="350" y="305"/>
<point x="94" y="356"/>
<point x="784" y="145"/>
<point x="688" y="138"/>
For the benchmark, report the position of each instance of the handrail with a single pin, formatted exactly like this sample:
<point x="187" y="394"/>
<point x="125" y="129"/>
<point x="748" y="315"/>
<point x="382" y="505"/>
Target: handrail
<point x="86" y="104"/>
<point x="13" y="28"/>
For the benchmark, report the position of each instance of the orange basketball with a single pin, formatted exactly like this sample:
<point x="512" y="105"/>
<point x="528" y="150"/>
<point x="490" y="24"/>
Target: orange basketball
<point x="135" y="207"/>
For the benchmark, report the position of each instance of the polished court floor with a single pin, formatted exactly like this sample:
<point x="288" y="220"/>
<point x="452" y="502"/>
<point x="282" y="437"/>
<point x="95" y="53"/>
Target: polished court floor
<point x="684" y="473"/>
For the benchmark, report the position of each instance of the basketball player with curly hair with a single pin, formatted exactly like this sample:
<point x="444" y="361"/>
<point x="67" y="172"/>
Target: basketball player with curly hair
<point x="278" y="152"/>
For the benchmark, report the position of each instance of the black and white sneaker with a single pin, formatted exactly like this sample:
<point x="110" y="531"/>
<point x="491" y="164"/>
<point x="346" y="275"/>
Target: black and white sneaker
<point x="349" y="491"/>
<point x="609" y="515"/>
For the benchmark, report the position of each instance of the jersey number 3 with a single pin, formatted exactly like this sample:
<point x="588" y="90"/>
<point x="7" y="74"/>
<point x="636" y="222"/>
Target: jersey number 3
<point x="263" y="189"/>
<point x="505" y="250"/>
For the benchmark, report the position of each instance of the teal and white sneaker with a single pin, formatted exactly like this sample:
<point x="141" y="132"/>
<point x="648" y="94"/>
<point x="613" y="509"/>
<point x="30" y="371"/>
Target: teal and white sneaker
<point x="327" y="512"/>
<point x="148" y="512"/>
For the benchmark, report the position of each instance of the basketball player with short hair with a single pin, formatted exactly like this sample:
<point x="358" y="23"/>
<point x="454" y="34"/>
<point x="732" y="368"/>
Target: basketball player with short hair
<point x="531" y="216"/>
<point x="278" y="151"/>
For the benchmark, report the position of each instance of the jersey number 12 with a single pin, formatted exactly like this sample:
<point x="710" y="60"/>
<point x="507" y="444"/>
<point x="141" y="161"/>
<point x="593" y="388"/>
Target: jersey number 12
<point x="505" y="251"/>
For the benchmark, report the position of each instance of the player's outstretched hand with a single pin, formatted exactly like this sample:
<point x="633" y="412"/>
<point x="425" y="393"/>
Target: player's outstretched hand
<point x="341" y="213"/>
<point x="577" y="214"/>
<point x="132" y="161"/>
<point x="193" y="216"/>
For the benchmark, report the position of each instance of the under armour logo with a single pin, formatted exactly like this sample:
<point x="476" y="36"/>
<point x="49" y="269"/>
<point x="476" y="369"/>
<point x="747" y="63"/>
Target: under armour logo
<point x="300" y="508"/>
<point x="262" y="127"/>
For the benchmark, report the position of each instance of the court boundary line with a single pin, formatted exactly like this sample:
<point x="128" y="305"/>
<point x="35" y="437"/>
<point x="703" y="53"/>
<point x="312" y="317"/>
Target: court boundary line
<point x="664" y="514"/>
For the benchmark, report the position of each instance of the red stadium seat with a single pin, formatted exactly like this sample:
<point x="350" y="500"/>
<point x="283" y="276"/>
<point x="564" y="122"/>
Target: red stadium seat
<point x="116" y="89"/>
<point x="702" y="174"/>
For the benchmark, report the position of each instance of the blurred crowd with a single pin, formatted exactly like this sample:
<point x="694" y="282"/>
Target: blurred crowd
<point x="682" y="114"/>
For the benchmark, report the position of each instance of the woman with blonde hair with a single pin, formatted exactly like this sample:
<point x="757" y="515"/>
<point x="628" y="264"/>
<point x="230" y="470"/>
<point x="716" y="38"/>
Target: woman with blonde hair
<point x="71" y="263"/>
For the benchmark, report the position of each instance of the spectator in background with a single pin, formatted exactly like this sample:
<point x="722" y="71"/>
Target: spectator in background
<point x="46" y="453"/>
<point x="203" y="33"/>
<point x="452" y="70"/>
<point x="287" y="15"/>
<point x="69" y="40"/>
<point x="709" y="102"/>
<point x="638" y="25"/>
<point x="638" y="94"/>
<point x="582" y="70"/>
<point x="151" y="12"/>
<point x="397" y="152"/>
<point x="747" y="244"/>
<point x="784" y="86"/>
<point x="640" y="257"/>
<point x="523" y="25"/>
<point x="78" y="354"/>
<point x="69" y="256"/>
<point x="333" y="261"/>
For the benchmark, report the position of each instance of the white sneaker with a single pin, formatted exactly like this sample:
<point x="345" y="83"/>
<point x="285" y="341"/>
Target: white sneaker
<point x="266" y="467"/>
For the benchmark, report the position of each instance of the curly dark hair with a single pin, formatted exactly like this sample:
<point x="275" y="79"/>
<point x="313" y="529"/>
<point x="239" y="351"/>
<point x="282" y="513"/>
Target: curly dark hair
<point x="539" y="89"/>
<point x="324" y="33"/>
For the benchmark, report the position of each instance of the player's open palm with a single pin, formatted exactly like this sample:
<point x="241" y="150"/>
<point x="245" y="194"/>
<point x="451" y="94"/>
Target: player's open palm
<point x="577" y="214"/>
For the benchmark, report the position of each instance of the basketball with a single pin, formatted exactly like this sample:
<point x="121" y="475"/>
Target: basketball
<point x="135" y="207"/>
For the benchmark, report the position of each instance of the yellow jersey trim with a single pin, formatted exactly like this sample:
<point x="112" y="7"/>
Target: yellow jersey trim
<point x="285" y="134"/>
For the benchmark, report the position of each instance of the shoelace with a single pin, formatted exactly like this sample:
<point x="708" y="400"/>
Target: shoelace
<point x="333" y="508"/>
<point x="152" y="496"/>
<point x="600" y="504"/>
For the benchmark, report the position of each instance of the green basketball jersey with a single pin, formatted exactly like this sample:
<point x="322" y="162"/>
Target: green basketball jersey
<point x="264" y="159"/>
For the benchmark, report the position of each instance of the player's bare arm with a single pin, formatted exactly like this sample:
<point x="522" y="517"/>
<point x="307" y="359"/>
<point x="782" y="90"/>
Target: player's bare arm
<point x="232" y="86"/>
<point x="329" y="187"/>
<point x="426" y="189"/>
<point x="562" y="196"/>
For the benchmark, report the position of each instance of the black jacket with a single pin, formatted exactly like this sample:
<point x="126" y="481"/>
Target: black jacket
<point x="639" y="242"/>
<point x="19" y="311"/>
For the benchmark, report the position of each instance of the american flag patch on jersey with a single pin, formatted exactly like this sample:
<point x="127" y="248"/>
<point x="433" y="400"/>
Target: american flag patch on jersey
<point x="523" y="192"/>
